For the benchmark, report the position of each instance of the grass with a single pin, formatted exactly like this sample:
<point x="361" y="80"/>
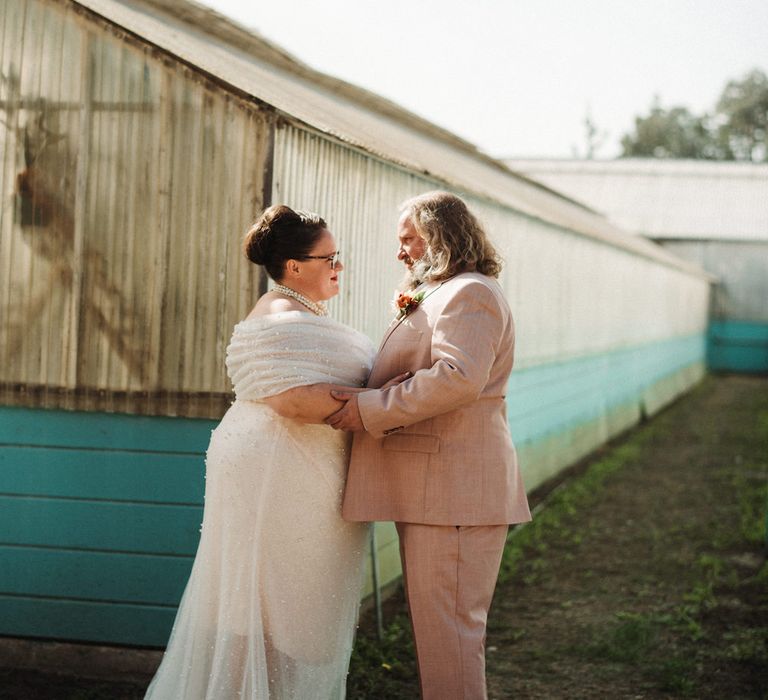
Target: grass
<point x="386" y="668"/>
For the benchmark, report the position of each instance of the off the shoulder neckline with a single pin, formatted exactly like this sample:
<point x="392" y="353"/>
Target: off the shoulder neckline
<point x="281" y="314"/>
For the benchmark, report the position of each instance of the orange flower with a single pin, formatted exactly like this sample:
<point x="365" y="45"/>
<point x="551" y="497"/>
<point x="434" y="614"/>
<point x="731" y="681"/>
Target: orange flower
<point x="407" y="303"/>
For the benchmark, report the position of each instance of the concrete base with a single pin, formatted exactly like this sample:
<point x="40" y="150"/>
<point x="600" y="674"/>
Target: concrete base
<point x="80" y="660"/>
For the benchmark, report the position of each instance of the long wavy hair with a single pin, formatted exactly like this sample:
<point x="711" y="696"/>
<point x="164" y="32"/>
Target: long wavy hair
<point x="456" y="241"/>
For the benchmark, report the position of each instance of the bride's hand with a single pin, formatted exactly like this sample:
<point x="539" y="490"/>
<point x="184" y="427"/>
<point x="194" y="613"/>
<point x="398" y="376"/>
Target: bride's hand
<point x="397" y="380"/>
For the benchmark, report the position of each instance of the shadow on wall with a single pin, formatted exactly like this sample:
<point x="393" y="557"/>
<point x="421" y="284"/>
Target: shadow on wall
<point x="46" y="189"/>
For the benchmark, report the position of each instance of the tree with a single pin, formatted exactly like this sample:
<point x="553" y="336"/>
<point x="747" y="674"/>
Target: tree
<point x="594" y="138"/>
<point x="736" y="129"/>
<point x="670" y="133"/>
<point x="742" y="111"/>
<point x="593" y="135"/>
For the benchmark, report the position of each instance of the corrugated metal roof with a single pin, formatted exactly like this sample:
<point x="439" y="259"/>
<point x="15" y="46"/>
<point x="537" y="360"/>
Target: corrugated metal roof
<point x="665" y="199"/>
<point x="243" y="60"/>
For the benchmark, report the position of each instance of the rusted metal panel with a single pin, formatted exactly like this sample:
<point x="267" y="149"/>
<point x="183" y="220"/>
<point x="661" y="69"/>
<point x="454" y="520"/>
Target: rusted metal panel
<point x="121" y="268"/>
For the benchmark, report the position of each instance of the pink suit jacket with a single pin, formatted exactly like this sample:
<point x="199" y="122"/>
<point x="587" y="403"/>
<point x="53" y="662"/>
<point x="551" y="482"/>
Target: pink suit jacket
<point x="437" y="448"/>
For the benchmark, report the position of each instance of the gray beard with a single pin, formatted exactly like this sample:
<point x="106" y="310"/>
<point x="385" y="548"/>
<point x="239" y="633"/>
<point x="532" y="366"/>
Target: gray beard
<point x="408" y="283"/>
<point x="420" y="271"/>
<point x="417" y="275"/>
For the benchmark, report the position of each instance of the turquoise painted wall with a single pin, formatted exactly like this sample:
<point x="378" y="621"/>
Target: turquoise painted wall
<point x="561" y="411"/>
<point x="99" y="522"/>
<point x="738" y="346"/>
<point x="100" y="513"/>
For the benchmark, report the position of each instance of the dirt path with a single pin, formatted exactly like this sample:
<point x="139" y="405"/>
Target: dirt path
<point x="651" y="586"/>
<point x="642" y="577"/>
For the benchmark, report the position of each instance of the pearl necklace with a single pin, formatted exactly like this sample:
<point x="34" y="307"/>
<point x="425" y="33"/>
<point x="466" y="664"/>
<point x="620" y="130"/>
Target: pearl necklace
<point x="316" y="307"/>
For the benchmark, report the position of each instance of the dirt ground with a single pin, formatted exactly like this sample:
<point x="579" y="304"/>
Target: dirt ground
<point x="656" y="586"/>
<point x="643" y="575"/>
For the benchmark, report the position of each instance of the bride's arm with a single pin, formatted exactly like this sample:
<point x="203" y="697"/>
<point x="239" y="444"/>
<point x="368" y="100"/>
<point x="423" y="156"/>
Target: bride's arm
<point x="313" y="403"/>
<point x="307" y="404"/>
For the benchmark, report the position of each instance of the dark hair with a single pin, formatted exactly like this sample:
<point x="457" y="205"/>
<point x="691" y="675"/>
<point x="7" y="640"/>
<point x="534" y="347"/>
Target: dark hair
<point x="281" y="234"/>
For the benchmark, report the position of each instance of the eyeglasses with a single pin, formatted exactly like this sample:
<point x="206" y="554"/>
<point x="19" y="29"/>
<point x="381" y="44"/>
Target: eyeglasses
<point x="332" y="259"/>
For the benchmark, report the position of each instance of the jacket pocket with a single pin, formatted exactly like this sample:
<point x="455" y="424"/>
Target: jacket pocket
<point x="411" y="442"/>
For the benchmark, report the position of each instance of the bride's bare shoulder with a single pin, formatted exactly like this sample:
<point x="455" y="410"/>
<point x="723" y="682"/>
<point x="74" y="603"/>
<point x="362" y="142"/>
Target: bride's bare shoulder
<point x="273" y="303"/>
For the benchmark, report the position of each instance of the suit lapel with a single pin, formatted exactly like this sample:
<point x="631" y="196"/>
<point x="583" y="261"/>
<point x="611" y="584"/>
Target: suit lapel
<point x="394" y="324"/>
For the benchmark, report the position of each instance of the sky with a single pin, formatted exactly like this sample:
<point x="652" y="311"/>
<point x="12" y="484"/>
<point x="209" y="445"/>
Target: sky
<point x="518" y="77"/>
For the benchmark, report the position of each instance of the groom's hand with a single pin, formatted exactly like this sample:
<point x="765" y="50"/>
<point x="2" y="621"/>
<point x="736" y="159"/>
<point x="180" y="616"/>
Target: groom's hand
<point x="348" y="416"/>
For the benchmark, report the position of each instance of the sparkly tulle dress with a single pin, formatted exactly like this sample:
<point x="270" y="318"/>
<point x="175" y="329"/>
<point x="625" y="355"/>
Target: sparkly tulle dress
<point x="272" y="600"/>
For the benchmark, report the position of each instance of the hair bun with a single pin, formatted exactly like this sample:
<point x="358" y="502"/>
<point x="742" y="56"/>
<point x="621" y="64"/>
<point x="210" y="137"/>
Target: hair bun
<point x="280" y="234"/>
<point x="256" y="244"/>
<point x="259" y="241"/>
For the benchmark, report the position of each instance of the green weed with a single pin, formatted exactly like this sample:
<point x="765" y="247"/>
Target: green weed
<point x="676" y="675"/>
<point x="632" y="638"/>
<point x="747" y="646"/>
<point x="384" y="668"/>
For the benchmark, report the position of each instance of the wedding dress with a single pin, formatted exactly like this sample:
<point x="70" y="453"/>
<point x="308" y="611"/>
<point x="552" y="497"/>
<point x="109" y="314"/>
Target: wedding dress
<point x="271" y="604"/>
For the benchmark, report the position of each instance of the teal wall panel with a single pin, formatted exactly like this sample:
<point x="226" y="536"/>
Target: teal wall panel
<point x="94" y="576"/>
<point x="554" y="398"/>
<point x="545" y="457"/>
<point x="99" y="521"/>
<point x="111" y="623"/>
<point x="738" y="346"/>
<point x="100" y="525"/>
<point x="100" y="513"/>
<point x="101" y="474"/>
<point x="113" y="431"/>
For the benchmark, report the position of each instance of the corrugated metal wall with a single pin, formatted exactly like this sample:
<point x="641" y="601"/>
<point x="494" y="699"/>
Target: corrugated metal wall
<point x="358" y="196"/>
<point x="571" y="295"/>
<point x="574" y="296"/>
<point x="121" y="269"/>
<point x="741" y="268"/>
<point x="133" y="183"/>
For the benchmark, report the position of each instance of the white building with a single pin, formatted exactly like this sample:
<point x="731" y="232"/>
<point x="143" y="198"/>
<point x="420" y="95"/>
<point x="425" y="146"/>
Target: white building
<point x="712" y="213"/>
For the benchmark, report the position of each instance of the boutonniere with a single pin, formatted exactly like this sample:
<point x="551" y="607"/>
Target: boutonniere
<point x="405" y="303"/>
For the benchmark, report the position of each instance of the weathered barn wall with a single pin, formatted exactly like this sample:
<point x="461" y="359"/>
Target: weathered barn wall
<point x="133" y="183"/>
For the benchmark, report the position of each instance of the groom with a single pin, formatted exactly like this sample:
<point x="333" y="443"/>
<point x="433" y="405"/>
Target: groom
<point x="434" y="453"/>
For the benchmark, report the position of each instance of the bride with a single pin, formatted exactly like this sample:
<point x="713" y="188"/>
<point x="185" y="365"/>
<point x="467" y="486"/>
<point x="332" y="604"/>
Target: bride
<point x="272" y="600"/>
